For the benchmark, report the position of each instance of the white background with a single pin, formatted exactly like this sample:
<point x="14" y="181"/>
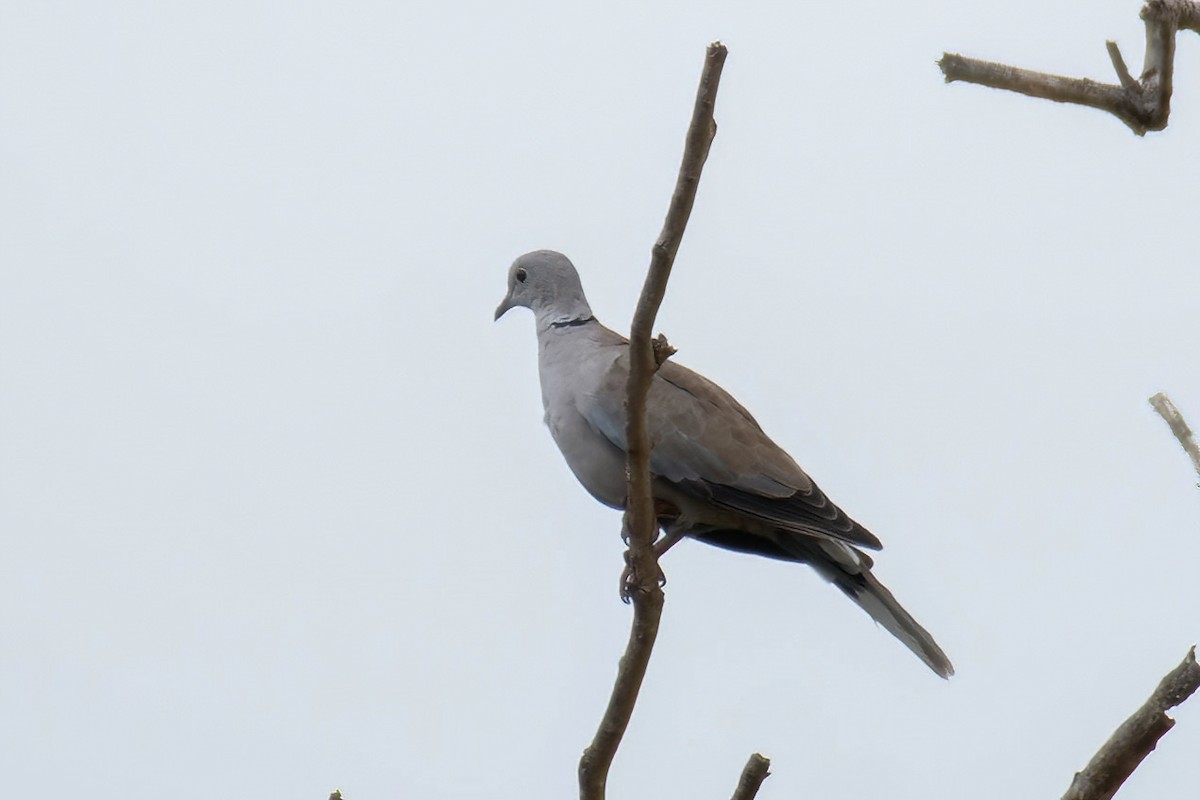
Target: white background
<point x="278" y="512"/>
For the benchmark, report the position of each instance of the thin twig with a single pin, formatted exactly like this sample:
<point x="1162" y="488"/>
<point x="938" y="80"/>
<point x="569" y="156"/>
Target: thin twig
<point x="1118" y="62"/>
<point x="1136" y="737"/>
<point x="1142" y="104"/>
<point x="1167" y="410"/>
<point x="639" y="524"/>
<point x="753" y="774"/>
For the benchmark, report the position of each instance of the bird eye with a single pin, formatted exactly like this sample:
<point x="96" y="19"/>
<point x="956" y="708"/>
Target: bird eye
<point x="521" y="274"/>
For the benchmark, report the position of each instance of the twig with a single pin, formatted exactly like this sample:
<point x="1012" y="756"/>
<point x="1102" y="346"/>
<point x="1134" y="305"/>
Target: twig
<point x="639" y="524"/>
<point x="1142" y="104"/>
<point x="755" y="772"/>
<point x="1136" y="737"/>
<point x="1118" y="62"/>
<point x="1167" y="410"/>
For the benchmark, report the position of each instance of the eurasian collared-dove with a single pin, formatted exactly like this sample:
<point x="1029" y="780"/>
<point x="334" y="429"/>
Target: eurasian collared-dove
<point x="716" y="476"/>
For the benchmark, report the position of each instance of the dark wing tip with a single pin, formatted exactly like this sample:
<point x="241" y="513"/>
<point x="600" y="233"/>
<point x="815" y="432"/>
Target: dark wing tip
<point x="808" y="512"/>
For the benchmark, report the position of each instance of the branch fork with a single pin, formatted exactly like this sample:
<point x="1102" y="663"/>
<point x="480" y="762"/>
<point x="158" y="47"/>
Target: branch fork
<point x="1142" y="104"/>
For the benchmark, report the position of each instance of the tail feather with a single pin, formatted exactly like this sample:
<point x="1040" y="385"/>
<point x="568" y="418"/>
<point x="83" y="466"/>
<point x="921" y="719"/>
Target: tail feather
<point x="849" y="570"/>
<point x="874" y="598"/>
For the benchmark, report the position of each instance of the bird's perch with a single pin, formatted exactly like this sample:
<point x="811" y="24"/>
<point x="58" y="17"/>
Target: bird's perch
<point x="1143" y="104"/>
<point x="640" y="524"/>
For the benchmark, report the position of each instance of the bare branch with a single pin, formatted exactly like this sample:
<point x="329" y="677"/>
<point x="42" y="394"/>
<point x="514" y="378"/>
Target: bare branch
<point x="753" y="774"/>
<point x="1142" y="104"/>
<point x="1136" y="737"/>
<point x="1167" y="410"/>
<point x="640" y="524"/>
<point x="1061" y="89"/>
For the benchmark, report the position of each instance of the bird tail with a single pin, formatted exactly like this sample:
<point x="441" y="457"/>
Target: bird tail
<point x="847" y="568"/>
<point x="855" y="580"/>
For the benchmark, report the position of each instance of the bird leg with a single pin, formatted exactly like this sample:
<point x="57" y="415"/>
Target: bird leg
<point x="665" y="542"/>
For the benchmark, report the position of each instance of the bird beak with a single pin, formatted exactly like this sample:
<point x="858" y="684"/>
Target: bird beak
<point x="504" y="306"/>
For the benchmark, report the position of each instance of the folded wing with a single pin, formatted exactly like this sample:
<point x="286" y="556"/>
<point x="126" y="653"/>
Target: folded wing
<point x="707" y="444"/>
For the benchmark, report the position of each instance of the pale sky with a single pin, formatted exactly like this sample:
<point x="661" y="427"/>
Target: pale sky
<point x="278" y="512"/>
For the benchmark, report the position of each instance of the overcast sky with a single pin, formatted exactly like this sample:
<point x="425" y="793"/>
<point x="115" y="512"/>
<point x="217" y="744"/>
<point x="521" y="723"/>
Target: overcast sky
<point x="278" y="512"/>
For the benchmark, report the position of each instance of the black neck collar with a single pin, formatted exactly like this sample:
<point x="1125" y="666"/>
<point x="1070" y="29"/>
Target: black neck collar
<point x="571" y="323"/>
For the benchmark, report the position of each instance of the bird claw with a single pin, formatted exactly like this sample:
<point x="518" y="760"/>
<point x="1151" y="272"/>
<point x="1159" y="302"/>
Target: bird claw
<point x="629" y="580"/>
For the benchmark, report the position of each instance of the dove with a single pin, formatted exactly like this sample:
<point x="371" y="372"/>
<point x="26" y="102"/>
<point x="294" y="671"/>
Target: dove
<point x="716" y="477"/>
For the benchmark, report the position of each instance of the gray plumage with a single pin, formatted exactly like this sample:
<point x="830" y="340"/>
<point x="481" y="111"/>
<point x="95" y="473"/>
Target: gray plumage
<point x="716" y="476"/>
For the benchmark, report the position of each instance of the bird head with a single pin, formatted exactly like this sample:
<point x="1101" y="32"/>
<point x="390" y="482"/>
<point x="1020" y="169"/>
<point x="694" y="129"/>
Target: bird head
<point x="545" y="282"/>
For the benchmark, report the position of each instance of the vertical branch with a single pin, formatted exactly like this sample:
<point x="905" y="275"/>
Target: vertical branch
<point x="640" y="524"/>
<point x="1167" y="410"/>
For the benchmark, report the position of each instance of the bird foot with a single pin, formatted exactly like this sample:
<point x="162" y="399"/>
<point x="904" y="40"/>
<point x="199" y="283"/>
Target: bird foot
<point x="629" y="574"/>
<point x="630" y="583"/>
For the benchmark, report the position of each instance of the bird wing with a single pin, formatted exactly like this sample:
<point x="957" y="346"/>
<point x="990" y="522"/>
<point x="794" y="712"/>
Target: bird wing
<point x="709" y="445"/>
